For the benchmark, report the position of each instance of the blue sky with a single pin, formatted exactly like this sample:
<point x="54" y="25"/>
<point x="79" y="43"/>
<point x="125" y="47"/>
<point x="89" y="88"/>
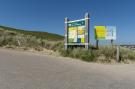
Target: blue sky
<point x="48" y="15"/>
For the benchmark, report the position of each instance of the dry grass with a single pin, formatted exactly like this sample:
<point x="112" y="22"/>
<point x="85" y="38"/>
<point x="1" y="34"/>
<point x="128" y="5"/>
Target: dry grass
<point x="105" y="54"/>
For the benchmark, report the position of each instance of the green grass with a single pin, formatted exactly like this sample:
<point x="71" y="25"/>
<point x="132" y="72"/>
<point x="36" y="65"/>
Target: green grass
<point x="105" y="54"/>
<point x="126" y="54"/>
<point x="13" y="38"/>
<point x="79" y="53"/>
<point x="38" y="34"/>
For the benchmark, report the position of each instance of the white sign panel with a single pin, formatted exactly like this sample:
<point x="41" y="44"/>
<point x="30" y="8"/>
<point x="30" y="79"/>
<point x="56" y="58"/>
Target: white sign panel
<point x="110" y="32"/>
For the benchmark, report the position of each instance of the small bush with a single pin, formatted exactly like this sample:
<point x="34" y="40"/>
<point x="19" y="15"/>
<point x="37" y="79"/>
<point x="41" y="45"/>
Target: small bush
<point x="127" y="54"/>
<point x="107" y="51"/>
<point x="80" y="53"/>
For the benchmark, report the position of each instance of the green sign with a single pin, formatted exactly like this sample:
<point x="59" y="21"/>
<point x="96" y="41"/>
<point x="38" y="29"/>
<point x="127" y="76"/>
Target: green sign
<point x="76" y="23"/>
<point x="76" y="31"/>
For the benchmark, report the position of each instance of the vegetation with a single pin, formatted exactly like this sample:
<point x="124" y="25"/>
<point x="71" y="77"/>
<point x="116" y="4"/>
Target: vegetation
<point x="105" y="54"/>
<point x="37" y="34"/>
<point x="13" y="38"/>
<point x="79" y="53"/>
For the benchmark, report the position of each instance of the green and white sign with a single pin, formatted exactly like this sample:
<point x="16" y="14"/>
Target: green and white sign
<point x="76" y="23"/>
<point x="76" y="31"/>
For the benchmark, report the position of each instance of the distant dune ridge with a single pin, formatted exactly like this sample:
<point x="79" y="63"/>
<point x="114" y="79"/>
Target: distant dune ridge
<point x="29" y="40"/>
<point x="38" y="34"/>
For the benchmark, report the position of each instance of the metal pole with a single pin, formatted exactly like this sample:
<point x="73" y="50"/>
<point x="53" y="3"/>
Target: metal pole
<point x="66" y="33"/>
<point x="87" y="30"/>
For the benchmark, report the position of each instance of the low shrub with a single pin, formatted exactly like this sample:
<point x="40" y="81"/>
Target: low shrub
<point x="127" y="54"/>
<point x="80" y="53"/>
<point x="105" y="54"/>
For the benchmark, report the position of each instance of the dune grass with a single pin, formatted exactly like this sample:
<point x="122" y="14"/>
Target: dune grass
<point x="105" y="54"/>
<point x="37" y="34"/>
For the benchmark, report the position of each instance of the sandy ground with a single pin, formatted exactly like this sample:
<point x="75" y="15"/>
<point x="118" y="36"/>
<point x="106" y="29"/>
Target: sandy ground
<point x="27" y="70"/>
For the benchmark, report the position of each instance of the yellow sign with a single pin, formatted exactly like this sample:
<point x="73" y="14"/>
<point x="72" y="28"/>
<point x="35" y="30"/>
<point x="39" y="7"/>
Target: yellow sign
<point x="82" y="40"/>
<point x="100" y="32"/>
<point x="81" y="34"/>
<point x="76" y="34"/>
<point x="81" y="30"/>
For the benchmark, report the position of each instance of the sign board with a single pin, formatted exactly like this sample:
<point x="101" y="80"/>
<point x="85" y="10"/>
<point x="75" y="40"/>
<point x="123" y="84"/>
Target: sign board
<point x="105" y="32"/>
<point x="100" y="32"/>
<point x="76" y="23"/>
<point x="111" y="33"/>
<point x="76" y="31"/>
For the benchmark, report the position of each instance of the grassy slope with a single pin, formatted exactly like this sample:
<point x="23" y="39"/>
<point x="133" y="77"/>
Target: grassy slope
<point x="39" y="41"/>
<point x="43" y="35"/>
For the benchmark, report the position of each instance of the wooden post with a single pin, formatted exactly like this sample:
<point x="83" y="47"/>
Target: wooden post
<point x="112" y="42"/>
<point x="118" y="54"/>
<point x="87" y="30"/>
<point x="97" y="44"/>
<point x="66" y="33"/>
<point x="18" y="42"/>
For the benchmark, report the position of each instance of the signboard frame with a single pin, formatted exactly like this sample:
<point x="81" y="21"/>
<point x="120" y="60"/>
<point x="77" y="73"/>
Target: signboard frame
<point x="77" y="23"/>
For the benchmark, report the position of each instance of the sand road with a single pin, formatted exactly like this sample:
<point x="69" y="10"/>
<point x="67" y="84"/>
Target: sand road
<point x="24" y="70"/>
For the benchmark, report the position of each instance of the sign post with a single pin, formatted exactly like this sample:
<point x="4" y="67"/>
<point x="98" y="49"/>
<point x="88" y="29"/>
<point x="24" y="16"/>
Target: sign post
<point x="111" y="33"/>
<point x="77" y="32"/>
<point x="112" y="42"/>
<point x="97" y="42"/>
<point x="66" y="27"/>
<point x="105" y="33"/>
<point x="118" y="54"/>
<point x="87" y="31"/>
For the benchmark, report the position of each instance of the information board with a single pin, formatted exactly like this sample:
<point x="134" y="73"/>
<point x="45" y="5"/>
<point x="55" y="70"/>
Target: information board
<point x="100" y="32"/>
<point x="111" y="32"/>
<point x="76" y="31"/>
<point x="105" y="32"/>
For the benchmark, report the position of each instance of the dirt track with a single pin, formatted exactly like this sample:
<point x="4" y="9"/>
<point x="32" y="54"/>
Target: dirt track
<point x="23" y="70"/>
